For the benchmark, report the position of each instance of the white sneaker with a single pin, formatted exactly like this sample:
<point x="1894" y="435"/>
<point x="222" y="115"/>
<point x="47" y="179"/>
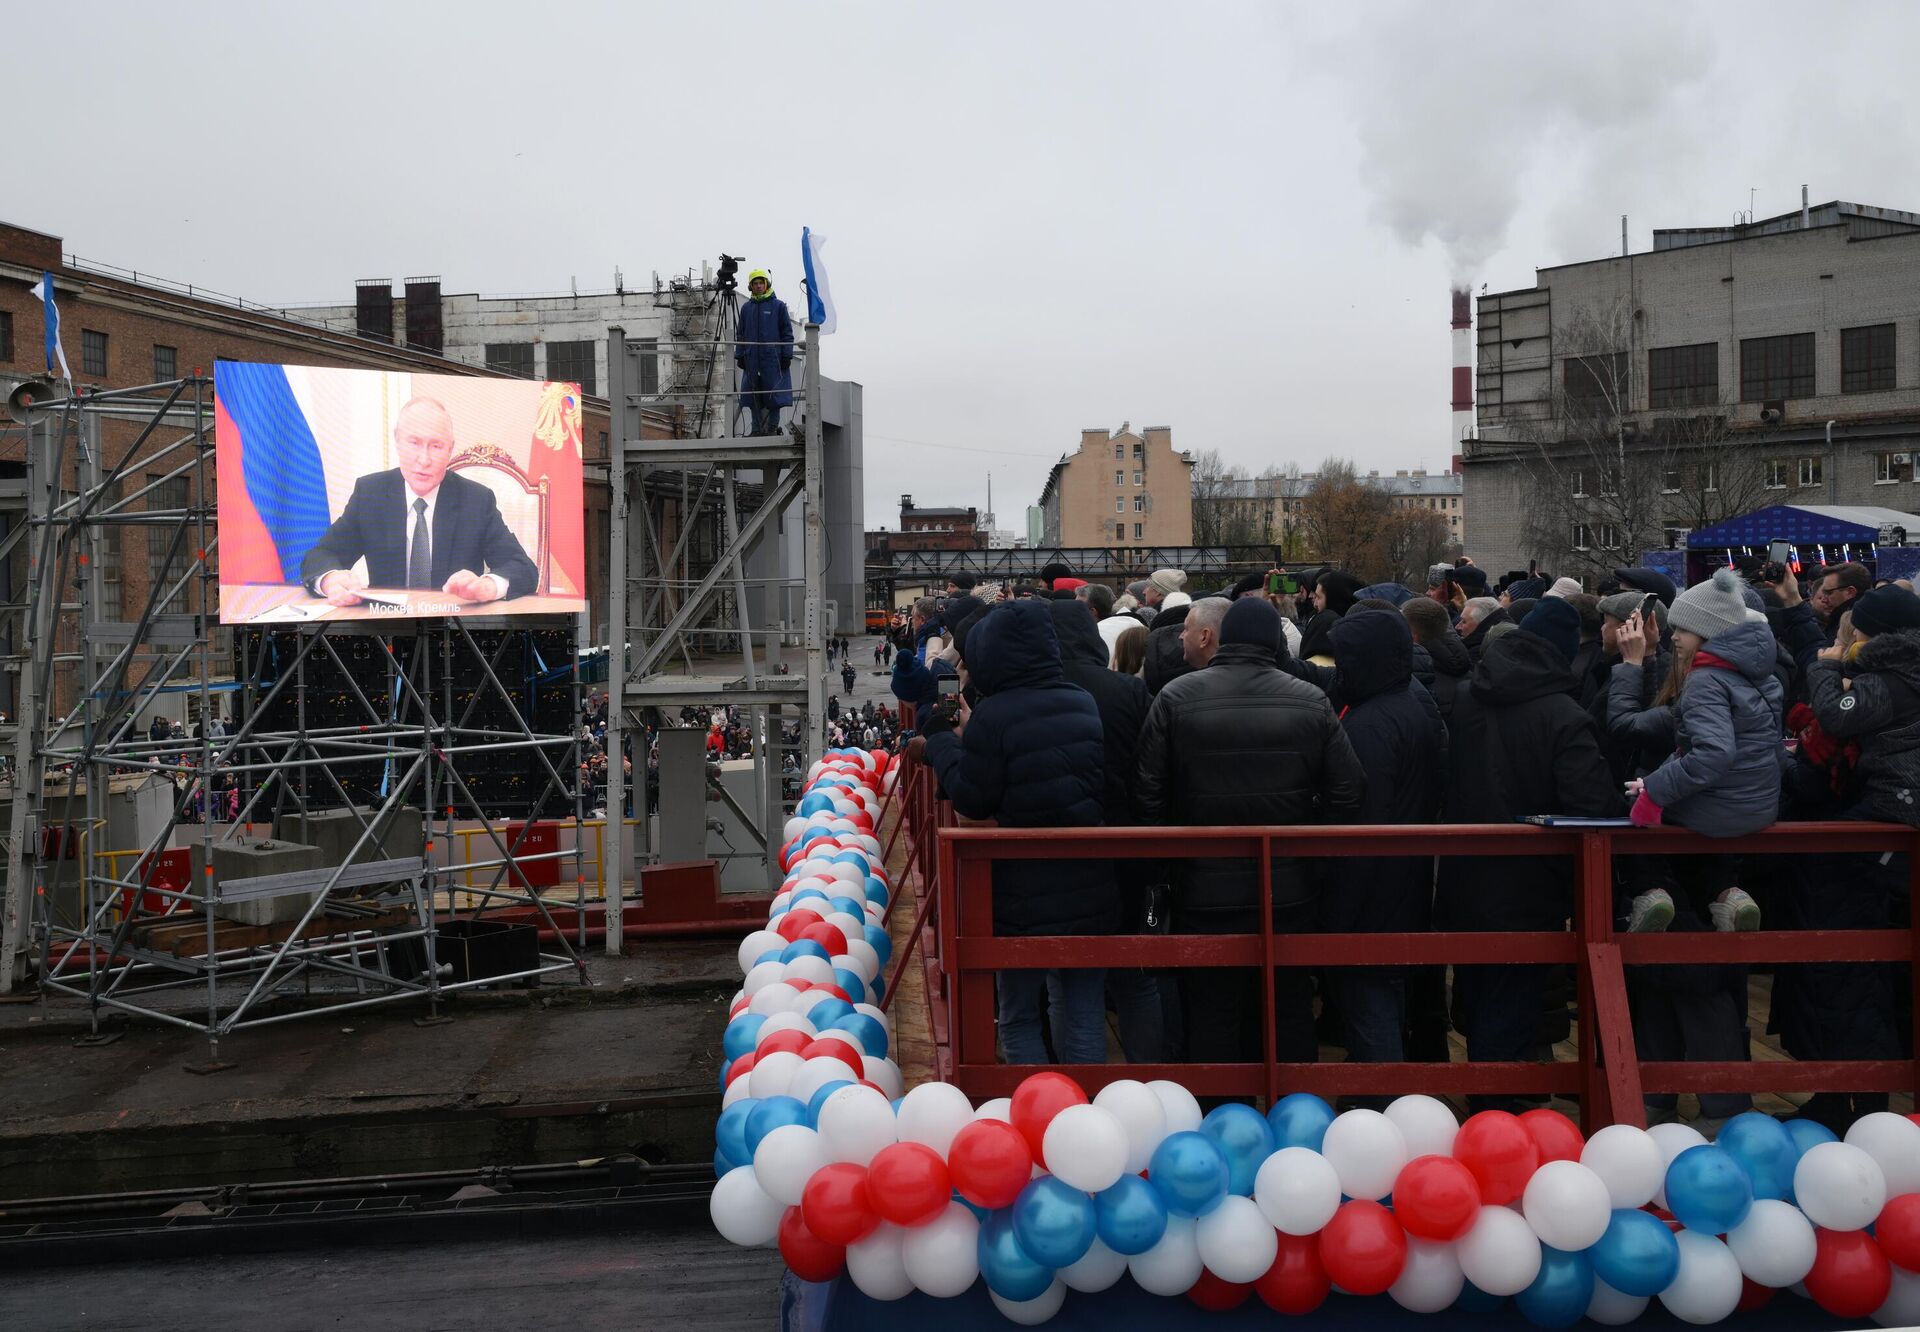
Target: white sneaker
<point x="1734" y="911"/>
<point x="1651" y="912"/>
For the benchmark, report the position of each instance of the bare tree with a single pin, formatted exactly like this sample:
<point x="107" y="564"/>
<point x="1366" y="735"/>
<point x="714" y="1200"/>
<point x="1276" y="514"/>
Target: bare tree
<point x="1229" y="508"/>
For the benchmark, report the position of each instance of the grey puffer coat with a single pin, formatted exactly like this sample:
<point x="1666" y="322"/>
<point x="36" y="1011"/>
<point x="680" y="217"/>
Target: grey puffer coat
<point x="1882" y="712"/>
<point x="1724" y="776"/>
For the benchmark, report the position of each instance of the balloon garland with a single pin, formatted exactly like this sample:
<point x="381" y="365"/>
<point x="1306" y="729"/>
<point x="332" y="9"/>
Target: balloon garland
<point x="819" y="1152"/>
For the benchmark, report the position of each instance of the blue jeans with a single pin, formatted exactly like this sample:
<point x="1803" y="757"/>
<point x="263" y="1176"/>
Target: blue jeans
<point x="1079" y="1015"/>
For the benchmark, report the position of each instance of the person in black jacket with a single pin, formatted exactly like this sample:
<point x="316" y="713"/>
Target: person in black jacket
<point x="1122" y="701"/>
<point x="1333" y="594"/>
<point x="1401" y="745"/>
<point x="1519" y="744"/>
<point x="1165" y="658"/>
<point x="1030" y="755"/>
<point x="1447" y="664"/>
<point x="1241" y="743"/>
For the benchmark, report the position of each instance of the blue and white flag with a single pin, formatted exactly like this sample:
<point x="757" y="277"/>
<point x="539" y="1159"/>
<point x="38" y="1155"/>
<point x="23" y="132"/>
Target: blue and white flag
<point x="44" y="290"/>
<point x="819" y="295"/>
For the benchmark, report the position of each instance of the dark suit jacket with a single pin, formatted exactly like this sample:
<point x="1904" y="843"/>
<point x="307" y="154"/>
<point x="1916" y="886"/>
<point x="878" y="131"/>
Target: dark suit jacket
<point x="468" y="533"/>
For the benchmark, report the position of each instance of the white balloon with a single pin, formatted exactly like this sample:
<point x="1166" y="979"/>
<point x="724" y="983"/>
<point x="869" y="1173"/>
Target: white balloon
<point x="1902" y="1306"/>
<point x="1000" y="1108"/>
<point x="1297" y="1190"/>
<point x="884" y="1074"/>
<point x="864" y="954"/>
<point x="808" y="998"/>
<point x="1839" y="1186"/>
<point x="1707" y="1287"/>
<point x="1775" y="1245"/>
<point x="1086" y="1147"/>
<point x="781" y="901"/>
<point x="877" y="1014"/>
<point x="855" y="1123"/>
<point x="816" y="1073"/>
<point x="765" y="974"/>
<point x="741" y="1210"/>
<point x="876" y="1265"/>
<point x="738" y="1090"/>
<point x="760" y="941"/>
<point x="1173" y="1264"/>
<point x="932" y="1113"/>
<point x="1427" y="1125"/>
<point x="787" y="1022"/>
<point x="845" y="871"/>
<point x="772" y="1075"/>
<point x="1033" y="1312"/>
<point x="778" y="997"/>
<point x="1367" y="1151"/>
<point x="1629" y="1161"/>
<point x="1611" y="1308"/>
<point x="786" y="1159"/>
<point x="1499" y="1253"/>
<point x="854" y="927"/>
<point x="1567" y="1205"/>
<point x="1431" y="1280"/>
<point x="1671" y="1139"/>
<point x="1183" y="1110"/>
<point x="1099" y="1269"/>
<point x="808" y="968"/>
<point x="942" y="1257"/>
<point x="1140" y="1111"/>
<point x="848" y="961"/>
<point x="1893" y="1141"/>
<point x="1236" y="1241"/>
<point x="810" y="877"/>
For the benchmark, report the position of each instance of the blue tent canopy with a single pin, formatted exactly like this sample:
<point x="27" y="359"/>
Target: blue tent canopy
<point x="1805" y="525"/>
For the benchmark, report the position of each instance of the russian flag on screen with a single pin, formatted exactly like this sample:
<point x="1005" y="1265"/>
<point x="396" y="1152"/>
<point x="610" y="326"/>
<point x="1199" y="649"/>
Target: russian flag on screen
<point x="283" y="484"/>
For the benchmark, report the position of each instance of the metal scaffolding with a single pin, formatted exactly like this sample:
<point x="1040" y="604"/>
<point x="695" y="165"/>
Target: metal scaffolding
<point x="154" y="929"/>
<point x="673" y="628"/>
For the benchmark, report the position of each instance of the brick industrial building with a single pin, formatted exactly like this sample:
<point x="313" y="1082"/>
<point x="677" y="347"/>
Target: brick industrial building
<point x="1119" y="489"/>
<point x="1787" y="348"/>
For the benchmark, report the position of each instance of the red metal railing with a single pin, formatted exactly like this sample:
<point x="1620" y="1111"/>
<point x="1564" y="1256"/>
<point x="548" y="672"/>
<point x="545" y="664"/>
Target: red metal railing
<point x="960" y="954"/>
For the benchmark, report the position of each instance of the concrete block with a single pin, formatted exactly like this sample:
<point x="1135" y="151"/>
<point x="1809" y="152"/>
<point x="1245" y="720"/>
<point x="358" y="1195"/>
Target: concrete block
<point x="335" y="831"/>
<point x="250" y="859"/>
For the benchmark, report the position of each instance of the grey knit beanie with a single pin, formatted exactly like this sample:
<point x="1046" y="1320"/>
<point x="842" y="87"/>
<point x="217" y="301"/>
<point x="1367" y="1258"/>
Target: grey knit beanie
<point x="1712" y="607"/>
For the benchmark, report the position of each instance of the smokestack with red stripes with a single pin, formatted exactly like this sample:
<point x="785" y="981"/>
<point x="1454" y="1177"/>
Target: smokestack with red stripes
<point x="1462" y="366"/>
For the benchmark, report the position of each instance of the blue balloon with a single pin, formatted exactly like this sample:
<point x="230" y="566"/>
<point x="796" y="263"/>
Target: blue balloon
<point x="1009" y="1272"/>
<point x="881" y="941"/>
<point x="873" y="1036"/>
<point x="1708" y="1191"/>
<point x="1474" y="1300"/>
<point x="769" y="1115"/>
<point x="773" y="955"/>
<point x="1807" y="1134"/>
<point x="1191" y="1173"/>
<point x="721" y="1165"/>
<point x="1130" y="1216"/>
<point x="1638" y="1255"/>
<point x="1559" y="1296"/>
<point x="814" y="803"/>
<point x="1299" y="1120"/>
<point x="828" y="1011"/>
<point x="979" y="1213"/>
<point x="1244" y="1138"/>
<point x="806" y="894"/>
<point x="1764" y="1149"/>
<point x="858" y="910"/>
<point x="820" y="1098"/>
<point x="800" y="948"/>
<point x="775" y="914"/>
<point x="850" y="982"/>
<point x="730" y="1131"/>
<point x="1053" y="1221"/>
<point x="852" y="856"/>
<point x="874" y="886"/>
<point x="743" y="1034"/>
<point x="724" y="1066"/>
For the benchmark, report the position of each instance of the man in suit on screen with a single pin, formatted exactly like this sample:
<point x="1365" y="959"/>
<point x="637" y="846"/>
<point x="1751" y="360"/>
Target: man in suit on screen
<point x="418" y="527"/>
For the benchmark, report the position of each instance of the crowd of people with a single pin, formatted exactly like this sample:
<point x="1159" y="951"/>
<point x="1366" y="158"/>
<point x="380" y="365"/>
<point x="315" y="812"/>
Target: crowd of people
<point x="1761" y="695"/>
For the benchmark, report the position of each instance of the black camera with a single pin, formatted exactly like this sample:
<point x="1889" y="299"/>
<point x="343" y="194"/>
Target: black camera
<point x="729" y="269"/>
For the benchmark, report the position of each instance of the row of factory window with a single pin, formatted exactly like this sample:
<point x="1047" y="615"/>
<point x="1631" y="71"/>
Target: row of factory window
<point x="1771" y="369"/>
<point x="93" y="352"/>
<point x="1801" y="473"/>
<point x="1119" y="531"/>
<point x="1141" y="503"/>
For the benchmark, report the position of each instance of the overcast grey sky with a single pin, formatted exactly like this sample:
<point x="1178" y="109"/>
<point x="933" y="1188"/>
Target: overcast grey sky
<point x="1239" y="220"/>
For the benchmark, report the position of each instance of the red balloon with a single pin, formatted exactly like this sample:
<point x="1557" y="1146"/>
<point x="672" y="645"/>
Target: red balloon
<point x="792" y="1041"/>
<point x="806" y="852"/>
<point x="1436" y="1198"/>
<point x="990" y="1162"/>
<point x="1915" y="1117"/>
<point x="1557" y="1137"/>
<point x="739" y="1006"/>
<point x="744" y="1064"/>
<point x="1363" y="1248"/>
<point x="836" y="992"/>
<point x="834" y="1204"/>
<point x="1753" y="1295"/>
<point x="1037" y="1100"/>
<point x="908" y="1184"/>
<point x="1296" y="1283"/>
<point x="800" y="986"/>
<point x="1217" y="1296"/>
<point x="1898" y="1231"/>
<point x="1850" y="1276"/>
<point x="810" y="1257"/>
<point x="828" y="936"/>
<point x="1500" y="1152"/>
<point x="832" y="1047"/>
<point x="789" y="926"/>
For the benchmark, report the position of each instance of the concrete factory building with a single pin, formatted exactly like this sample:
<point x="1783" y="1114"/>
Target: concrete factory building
<point x="1623" y="402"/>
<point x="1119" y="489"/>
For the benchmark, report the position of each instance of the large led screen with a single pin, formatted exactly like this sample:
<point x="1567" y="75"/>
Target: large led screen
<point x="363" y="494"/>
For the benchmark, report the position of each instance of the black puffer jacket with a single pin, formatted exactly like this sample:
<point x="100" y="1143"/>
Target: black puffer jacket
<point x="1881" y="712"/>
<point x="1122" y="700"/>
<point x="1241" y="743"/>
<point x="1165" y="661"/>
<point x="1401" y="745"/>
<point x="1031" y="757"/>
<point x="1519" y="744"/>
<point x="1444" y="671"/>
